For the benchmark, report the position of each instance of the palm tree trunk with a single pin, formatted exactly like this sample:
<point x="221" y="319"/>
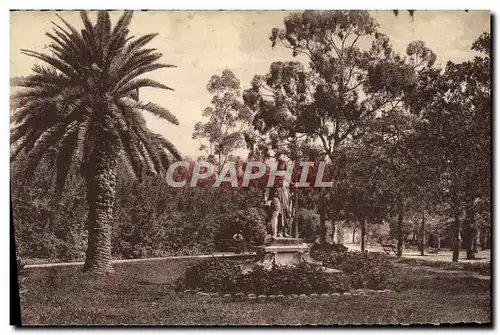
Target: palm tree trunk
<point x="100" y="176"/>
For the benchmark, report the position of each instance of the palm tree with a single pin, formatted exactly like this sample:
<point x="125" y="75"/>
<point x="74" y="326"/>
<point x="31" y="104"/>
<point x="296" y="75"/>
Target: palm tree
<point x="83" y="107"/>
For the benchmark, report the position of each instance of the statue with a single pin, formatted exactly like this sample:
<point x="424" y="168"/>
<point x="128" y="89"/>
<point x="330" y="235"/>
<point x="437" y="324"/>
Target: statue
<point x="279" y="201"/>
<point x="283" y="249"/>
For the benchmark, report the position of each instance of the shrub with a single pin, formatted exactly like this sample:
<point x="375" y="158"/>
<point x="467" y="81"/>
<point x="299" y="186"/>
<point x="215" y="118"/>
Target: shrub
<point x="329" y="247"/>
<point x="309" y="223"/>
<point x="372" y="270"/>
<point x="216" y="275"/>
<point x="250" y="221"/>
<point x="212" y="275"/>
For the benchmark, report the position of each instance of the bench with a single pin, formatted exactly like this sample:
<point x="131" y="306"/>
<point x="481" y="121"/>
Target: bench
<point x="390" y="248"/>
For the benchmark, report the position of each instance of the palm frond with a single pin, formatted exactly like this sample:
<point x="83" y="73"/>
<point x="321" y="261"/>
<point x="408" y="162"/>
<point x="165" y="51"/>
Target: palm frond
<point x="139" y="71"/>
<point x="20" y="144"/>
<point x="139" y="42"/>
<point x="139" y="83"/>
<point x="47" y="140"/>
<point x="74" y="36"/>
<point x="123" y="22"/>
<point x="43" y="77"/>
<point x="169" y="146"/>
<point x="56" y="63"/>
<point x="164" y="158"/>
<point x="146" y="159"/>
<point x="126" y="118"/>
<point x="153" y="108"/>
<point x="54" y="110"/>
<point x="81" y="141"/>
<point x="119" y="33"/>
<point x="125" y="64"/>
<point x="86" y="21"/>
<point x="64" y="157"/>
<point x="153" y="154"/>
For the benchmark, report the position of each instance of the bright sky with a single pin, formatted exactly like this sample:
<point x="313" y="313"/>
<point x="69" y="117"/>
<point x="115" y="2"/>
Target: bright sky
<point x="203" y="43"/>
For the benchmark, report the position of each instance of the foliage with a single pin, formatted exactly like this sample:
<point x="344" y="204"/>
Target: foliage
<point x="224" y="276"/>
<point x="365" y="269"/>
<point x="322" y="108"/>
<point x="88" y="90"/>
<point x="82" y="108"/>
<point x="251" y="221"/>
<point x="329" y="248"/>
<point x="309" y="223"/>
<point x="454" y="140"/>
<point x="151" y="219"/>
<point x="227" y="119"/>
<point x="43" y="230"/>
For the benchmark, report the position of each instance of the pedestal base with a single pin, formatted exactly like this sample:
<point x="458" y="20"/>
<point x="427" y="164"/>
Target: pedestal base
<point x="284" y="251"/>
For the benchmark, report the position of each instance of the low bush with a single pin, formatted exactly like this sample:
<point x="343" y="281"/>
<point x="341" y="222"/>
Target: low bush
<point x="329" y="247"/>
<point x="371" y="270"/>
<point x="216" y="275"/>
<point x="250" y="221"/>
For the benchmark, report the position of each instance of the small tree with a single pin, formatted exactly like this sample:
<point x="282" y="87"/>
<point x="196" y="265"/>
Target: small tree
<point x="227" y="119"/>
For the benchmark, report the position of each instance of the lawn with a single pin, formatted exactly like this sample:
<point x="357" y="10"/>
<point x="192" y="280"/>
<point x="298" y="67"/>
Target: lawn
<point x="142" y="294"/>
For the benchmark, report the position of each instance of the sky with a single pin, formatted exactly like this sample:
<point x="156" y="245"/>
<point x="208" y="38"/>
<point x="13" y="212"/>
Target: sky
<point x="204" y="43"/>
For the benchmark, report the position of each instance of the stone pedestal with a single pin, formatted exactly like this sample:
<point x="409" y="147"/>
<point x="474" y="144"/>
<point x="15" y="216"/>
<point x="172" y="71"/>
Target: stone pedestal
<point x="284" y="251"/>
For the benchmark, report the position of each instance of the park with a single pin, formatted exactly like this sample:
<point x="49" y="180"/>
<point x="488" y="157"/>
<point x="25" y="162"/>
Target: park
<point x="251" y="168"/>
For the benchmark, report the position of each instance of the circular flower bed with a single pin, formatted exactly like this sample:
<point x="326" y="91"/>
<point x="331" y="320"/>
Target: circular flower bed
<point x="360" y="271"/>
<point x="220" y="275"/>
<point x="371" y="270"/>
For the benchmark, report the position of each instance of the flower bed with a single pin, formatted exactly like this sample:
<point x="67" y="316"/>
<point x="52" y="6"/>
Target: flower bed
<point x="373" y="270"/>
<point x="360" y="271"/>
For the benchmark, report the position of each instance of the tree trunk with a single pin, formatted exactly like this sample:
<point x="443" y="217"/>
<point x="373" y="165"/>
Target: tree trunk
<point x="422" y="239"/>
<point x="488" y="238"/>
<point x="363" y="227"/>
<point x="100" y="174"/>
<point x="322" y="223"/>
<point x="400" y="234"/>
<point x="219" y="163"/>
<point x="469" y="232"/>
<point x="456" y="236"/>
<point x="340" y="234"/>
<point x="333" y="232"/>
<point x="353" y="232"/>
<point x="296" y="219"/>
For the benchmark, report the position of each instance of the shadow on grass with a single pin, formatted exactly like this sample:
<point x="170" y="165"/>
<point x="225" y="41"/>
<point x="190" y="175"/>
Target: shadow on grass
<point x="482" y="268"/>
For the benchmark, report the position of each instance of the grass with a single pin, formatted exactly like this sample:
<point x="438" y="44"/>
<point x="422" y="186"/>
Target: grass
<point x="142" y="294"/>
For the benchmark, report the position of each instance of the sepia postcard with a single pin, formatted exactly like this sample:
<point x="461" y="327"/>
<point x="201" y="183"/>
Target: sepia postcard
<point x="262" y="168"/>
